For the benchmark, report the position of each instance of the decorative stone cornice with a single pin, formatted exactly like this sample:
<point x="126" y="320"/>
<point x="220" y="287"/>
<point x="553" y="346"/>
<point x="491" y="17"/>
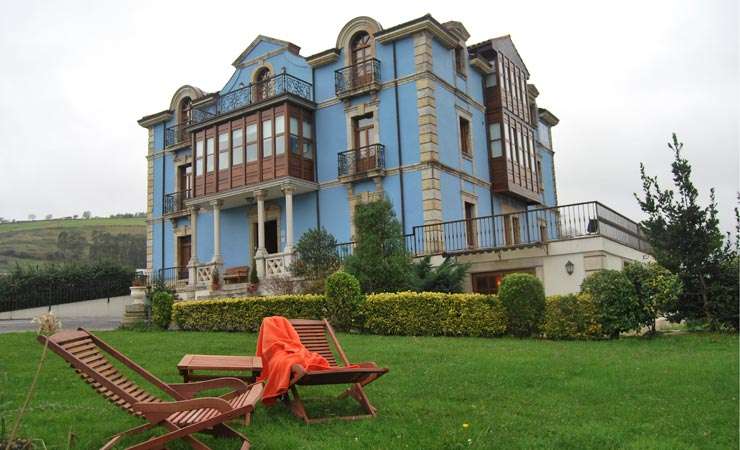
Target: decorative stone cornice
<point x="424" y="23"/>
<point x="323" y="58"/>
<point x="481" y="65"/>
<point x="153" y="119"/>
<point x="548" y="117"/>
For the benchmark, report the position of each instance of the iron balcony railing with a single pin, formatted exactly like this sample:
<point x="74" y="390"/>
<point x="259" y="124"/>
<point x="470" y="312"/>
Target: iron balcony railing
<point x="254" y="93"/>
<point x="176" y="135"/>
<point x="357" y="76"/>
<point x="175" y="202"/>
<point x="361" y="160"/>
<point x="528" y="228"/>
<point x="169" y="277"/>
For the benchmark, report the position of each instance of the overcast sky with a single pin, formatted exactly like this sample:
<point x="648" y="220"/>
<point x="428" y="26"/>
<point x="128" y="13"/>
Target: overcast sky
<point x="621" y="76"/>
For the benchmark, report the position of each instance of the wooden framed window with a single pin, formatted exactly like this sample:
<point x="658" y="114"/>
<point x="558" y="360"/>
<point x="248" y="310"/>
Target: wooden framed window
<point x="252" y="147"/>
<point x="199" y="157"/>
<point x="267" y="138"/>
<point x="470" y="225"/>
<point x="489" y="282"/>
<point x="295" y="147"/>
<point x="516" y="230"/>
<point x="307" y="139"/>
<point x="460" y="61"/>
<point x="465" y="144"/>
<point x="279" y="134"/>
<point x="223" y="150"/>
<point x="237" y="146"/>
<point x="210" y="149"/>
<point x="494" y="134"/>
<point x="261" y="89"/>
<point x="361" y="55"/>
<point x="540" y="182"/>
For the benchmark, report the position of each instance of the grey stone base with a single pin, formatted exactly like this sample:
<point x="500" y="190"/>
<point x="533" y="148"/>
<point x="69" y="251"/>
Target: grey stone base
<point x="135" y="313"/>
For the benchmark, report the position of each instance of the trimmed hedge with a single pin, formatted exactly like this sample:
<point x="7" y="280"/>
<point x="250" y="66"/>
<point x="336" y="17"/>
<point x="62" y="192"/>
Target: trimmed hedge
<point x="343" y="298"/>
<point x="571" y="316"/>
<point x="245" y="314"/>
<point x="523" y="297"/>
<point x="162" y="302"/>
<point x="434" y="314"/>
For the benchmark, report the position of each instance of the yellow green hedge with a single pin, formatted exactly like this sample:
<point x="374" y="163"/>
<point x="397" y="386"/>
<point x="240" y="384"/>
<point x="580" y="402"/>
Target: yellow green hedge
<point x="245" y="314"/>
<point x="572" y="316"/>
<point x="433" y="314"/>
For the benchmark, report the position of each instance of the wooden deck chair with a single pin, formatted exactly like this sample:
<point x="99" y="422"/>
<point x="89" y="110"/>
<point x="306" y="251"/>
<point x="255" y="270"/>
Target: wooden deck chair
<point x="186" y="415"/>
<point x="315" y="335"/>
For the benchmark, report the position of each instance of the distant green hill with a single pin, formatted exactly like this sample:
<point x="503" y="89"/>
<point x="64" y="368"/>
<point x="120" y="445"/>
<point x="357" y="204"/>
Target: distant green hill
<point x="36" y="242"/>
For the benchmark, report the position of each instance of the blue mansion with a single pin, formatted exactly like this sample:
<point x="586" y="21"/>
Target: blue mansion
<point x="449" y="132"/>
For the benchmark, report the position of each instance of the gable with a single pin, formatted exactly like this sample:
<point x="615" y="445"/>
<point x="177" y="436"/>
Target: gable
<point x="505" y="45"/>
<point x="261" y="46"/>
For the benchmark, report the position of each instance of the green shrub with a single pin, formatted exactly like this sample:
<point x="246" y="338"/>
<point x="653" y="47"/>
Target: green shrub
<point x="246" y="313"/>
<point x="615" y="300"/>
<point x="253" y="278"/>
<point x="317" y="255"/>
<point x="523" y="298"/>
<point x="343" y="297"/>
<point x="657" y="289"/>
<point x="447" y="277"/>
<point x="433" y="314"/>
<point x="162" y="302"/>
<point x="571" y="316"/>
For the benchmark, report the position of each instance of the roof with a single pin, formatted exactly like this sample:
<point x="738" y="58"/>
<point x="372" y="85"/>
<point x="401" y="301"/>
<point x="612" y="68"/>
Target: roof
<point x="548" y="117"/>
<point x="262" y="38"/>
<point x="505" y="45"/>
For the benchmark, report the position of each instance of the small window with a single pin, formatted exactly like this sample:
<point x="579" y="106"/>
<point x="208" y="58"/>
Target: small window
<point x="460" y="60"/>
<point x="210" y="144"/>
<point x="199" y="157"/>
<point x="223" y="151"/>
<point x="267" y="138"/>
<point x="252" y="142"/>
<point x="307" y="140"/>
<point x="539" y="176"/>
<point x="465" y="146"/>
<point x="294" y="144"/>
<point x="237" y="155"/>
<point x="279" y="135"/>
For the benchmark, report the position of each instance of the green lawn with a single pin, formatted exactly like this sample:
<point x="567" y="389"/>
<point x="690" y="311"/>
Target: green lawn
<point x="672" y="392"/>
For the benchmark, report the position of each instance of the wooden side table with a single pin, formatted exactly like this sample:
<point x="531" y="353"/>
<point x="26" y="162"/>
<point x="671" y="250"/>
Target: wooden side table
<point x="189" y="364"/>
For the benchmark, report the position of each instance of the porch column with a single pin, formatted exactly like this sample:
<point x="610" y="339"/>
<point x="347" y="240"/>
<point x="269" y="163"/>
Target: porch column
<point x="288" y="191"/>
<point x="193" y="263"/>
<point x="261" y="251"/>
<point x="216" y="206"/>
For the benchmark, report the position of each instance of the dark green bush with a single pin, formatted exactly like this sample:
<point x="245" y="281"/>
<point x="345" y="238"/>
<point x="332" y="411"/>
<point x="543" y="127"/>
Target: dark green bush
<point x="571" y="316"/>
<point x="657" y="289"/>
<point x="343" y="298"/>
<point x="615" y="299"/>
<point x="162" y="302"/>
<point x="523" y="298"/>
<point x="245" y="314"/>
<point x="317" y="255"/>
<point x="447" y="277"/>
<point x="433" y="314"/>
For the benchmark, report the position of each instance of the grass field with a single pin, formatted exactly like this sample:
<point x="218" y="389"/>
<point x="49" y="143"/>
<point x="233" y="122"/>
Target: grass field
<point x="35" y="240"/>
<point x="673" y="392"/>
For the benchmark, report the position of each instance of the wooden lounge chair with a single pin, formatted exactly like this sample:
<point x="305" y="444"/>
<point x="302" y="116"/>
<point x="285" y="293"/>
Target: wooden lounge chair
<point x="315" y="335"/>
<point x="186" y="415"/>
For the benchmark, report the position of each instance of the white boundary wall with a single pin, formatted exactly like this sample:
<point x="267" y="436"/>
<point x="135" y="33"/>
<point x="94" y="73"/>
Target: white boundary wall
<point x="102" y="308"/>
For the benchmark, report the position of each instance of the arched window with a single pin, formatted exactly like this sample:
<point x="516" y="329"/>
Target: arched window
<point x="185" y="110"/>
<point x="361" y="56"/>
<point x="262" y="84"/>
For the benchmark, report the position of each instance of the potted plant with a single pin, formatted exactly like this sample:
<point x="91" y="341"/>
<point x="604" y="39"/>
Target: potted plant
<point x="215" y="280"/>
<point x="253" y="278"/>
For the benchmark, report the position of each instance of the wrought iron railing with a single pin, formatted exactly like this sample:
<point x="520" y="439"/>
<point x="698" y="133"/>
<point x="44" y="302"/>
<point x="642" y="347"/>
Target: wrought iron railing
<point x="176" y="134"/>
<point x="356" y="76"/>
<point x="175" y="202"/>
<point x="344" y="250"/>
<point x="170" y="277"/>
<point x="281" y="84"/>
<point x="527" y="228"/>
<point x="361" y="160"/>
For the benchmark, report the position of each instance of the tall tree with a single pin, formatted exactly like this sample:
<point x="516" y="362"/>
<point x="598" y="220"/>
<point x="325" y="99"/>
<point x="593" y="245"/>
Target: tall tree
<point x="380" y="261"/>
<point x="685" y="236"/>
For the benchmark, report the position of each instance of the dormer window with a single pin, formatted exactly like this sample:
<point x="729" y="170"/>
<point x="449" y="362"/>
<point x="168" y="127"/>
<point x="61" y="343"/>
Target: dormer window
<point x="262" y="85"/>
<point x="185" y="110"/>
<point x="361" y="55"/>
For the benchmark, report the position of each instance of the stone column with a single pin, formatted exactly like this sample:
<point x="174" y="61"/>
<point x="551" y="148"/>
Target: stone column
<point x="193" y="264"/>
<point x="216" y="206"/>
<point x="288" y="192"/>
<point x="261" y="251"/>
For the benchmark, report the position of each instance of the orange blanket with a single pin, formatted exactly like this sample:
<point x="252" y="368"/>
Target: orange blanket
<point x="280" y="347"/>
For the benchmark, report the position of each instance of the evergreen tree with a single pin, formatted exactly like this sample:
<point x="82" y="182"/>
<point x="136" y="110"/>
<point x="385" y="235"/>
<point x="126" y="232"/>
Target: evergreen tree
<point x="380" y="261"/>
<point x="686" y="239"/>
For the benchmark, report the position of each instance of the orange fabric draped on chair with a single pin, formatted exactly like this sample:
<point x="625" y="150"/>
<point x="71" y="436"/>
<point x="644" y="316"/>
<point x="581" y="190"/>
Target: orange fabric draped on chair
<point x="280" y="348"/>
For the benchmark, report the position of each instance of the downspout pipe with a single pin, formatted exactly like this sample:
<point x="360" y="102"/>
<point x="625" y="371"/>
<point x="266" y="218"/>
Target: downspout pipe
<point x="316" y="154"/>
<point x="398" y="141"/>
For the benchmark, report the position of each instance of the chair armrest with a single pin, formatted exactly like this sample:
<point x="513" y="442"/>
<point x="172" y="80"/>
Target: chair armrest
<point x="158" y="411"/>
<point x="188" y="390"/>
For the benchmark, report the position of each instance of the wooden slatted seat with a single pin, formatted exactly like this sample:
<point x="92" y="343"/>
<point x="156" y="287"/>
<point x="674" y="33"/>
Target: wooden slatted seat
<point x="315" y="335"/>
<point x="89" y="357"/>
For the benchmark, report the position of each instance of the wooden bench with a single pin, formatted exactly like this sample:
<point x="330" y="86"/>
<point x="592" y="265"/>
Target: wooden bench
<point x="239" y="274"/>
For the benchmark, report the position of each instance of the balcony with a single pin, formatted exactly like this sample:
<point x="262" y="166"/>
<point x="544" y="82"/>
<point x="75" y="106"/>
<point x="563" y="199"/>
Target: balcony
<point x="253" y="94"/>
<point x="526" y="229"/>
<point x="175" y="202"/>
<point x="362" y="162"/>
<point x="176" y="135"/>
<point x="357" y="79"/>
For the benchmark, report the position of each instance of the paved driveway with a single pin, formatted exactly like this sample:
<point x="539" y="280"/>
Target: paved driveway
<point x="91" y="323"/>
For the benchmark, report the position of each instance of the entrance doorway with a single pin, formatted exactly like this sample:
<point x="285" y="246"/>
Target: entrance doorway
<point x="271" y="236"/>
<point x="184" y="251"/>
